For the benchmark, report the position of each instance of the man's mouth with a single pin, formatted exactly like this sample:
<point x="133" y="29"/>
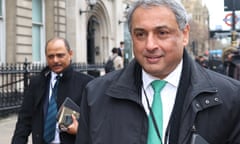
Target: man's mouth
<point x="153" y="59"/>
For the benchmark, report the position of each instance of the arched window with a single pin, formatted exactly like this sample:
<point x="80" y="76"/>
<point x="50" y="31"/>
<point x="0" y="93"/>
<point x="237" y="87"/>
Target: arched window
<point x="38" y="36"/>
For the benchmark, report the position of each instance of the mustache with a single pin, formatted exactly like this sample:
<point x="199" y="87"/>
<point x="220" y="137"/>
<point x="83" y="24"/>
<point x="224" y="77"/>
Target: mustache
<point x="56" y="64"/>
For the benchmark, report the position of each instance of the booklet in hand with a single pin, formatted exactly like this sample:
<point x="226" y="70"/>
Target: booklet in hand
<point x="67" y="109"/>
<point x="197" y="139"/>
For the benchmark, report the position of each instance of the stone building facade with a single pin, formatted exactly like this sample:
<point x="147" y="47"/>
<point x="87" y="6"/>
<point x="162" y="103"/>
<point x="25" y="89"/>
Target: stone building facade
<point x="26" y="25"/>
<point x="199" y="22"/>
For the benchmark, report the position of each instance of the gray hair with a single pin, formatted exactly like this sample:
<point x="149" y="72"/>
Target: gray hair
<point x="176" y="7"/>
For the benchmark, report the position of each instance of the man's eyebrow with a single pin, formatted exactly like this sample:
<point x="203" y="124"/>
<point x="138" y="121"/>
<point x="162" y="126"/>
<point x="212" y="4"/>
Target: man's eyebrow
<point x="162" y="27"/>
<point x="138" y="29"/>
<point x="157" y="27"/>
<point x="56" y="54"/>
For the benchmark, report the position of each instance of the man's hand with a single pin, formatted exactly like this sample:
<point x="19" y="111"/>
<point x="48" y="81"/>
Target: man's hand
<point x="72" y="129"/>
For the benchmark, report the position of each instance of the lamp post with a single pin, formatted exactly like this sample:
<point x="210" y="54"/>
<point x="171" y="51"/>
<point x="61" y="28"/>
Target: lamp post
<point x="124" y="15"/>
<point x="91" y="4"/>
<point x="234" y="32"/>
<point x="127" y="38"/>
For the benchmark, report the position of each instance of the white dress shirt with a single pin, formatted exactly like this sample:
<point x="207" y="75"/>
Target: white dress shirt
<point x="168" y="93"/>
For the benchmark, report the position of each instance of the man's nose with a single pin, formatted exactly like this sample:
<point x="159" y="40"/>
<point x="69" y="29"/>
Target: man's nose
<point x="151" y="42"/>
<point x="55" y="58"/>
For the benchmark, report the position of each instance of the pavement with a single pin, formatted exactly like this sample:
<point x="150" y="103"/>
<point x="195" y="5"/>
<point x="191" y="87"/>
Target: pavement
<point x="7" y="126"/>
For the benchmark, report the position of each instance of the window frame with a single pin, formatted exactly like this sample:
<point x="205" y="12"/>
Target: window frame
<point x="41" y="26"/>
<point x="3" y="34"/>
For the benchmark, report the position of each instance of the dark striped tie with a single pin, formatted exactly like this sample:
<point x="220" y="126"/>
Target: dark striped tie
<point x="50" y="120"/>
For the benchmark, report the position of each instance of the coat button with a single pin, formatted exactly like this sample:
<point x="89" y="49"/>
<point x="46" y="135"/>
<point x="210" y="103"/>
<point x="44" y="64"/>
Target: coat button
<point x="197" y="105"/>
<point x="207" y="101"/>
<point x="216" y="99"/>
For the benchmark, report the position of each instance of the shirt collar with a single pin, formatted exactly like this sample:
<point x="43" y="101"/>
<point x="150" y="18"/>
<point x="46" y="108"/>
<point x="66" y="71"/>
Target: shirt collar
<point x="53" y="76"/>
<point x="173" y="78"/>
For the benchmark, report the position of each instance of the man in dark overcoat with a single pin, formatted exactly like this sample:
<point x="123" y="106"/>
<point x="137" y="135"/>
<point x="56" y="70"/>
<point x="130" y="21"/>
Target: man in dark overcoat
<point x="33" y="113"/>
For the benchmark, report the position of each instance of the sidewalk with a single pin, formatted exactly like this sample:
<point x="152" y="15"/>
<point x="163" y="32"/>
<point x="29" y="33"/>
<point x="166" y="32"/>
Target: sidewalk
<point x="7" y="126"/>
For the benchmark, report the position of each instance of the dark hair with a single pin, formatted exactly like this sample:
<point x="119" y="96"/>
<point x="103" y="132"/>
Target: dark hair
<point x="122" y="42"/>
<point x="114" y="50"/>
<point x="66" y="43"/>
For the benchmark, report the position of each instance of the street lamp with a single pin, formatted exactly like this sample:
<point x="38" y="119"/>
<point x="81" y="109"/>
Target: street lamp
<point x="125" y="12"/>
<point x="91" y="4"/>
<point x="234" y="32"/>
<point x="119" y="21"/>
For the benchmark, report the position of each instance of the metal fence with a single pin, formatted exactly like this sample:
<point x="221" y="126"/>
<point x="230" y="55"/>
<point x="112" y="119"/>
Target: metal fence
<point x="14" y="79"/>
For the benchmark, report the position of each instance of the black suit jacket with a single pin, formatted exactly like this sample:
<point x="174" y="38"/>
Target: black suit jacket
<point x="31" y="116"/>
<point x="120" y="52"/>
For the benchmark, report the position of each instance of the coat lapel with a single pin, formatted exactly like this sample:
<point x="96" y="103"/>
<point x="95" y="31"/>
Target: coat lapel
<point x="128" y="85"/>
<point x="42" y="90"/>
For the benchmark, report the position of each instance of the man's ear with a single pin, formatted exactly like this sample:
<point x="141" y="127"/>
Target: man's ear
<point x="70" y="53"/>
<point x="186" y="31"/>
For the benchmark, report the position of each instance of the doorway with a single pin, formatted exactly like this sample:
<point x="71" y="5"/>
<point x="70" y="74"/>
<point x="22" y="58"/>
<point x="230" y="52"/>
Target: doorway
<point x="91" y="36"/>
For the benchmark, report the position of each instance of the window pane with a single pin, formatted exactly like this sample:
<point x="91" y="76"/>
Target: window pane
<point x="2" y="47"/>
<point x="37" y="11"/>
<point x="36" y="45"/>
<point x="1" y="37"/>
<point x="0" y="7"/>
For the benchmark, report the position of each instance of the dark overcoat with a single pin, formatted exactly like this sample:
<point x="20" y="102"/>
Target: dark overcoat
<point x="31" y="116"/>
<point x="112" y="111"/>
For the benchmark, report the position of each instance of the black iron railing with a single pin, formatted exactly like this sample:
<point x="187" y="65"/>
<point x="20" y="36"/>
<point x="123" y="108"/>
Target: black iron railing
<point x="14" y="79"/>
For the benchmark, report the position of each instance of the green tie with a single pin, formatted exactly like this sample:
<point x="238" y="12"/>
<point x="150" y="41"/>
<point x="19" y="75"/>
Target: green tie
<point x="153" y="138"/>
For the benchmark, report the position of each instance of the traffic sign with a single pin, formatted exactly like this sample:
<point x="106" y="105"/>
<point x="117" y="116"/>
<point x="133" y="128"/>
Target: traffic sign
<point x="228" y="19"/>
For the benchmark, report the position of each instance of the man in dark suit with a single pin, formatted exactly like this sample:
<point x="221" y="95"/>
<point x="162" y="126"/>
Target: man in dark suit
<point x="162" y="96"/>
<point x="32" y="116"/>
<point x="121" y="49"/>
